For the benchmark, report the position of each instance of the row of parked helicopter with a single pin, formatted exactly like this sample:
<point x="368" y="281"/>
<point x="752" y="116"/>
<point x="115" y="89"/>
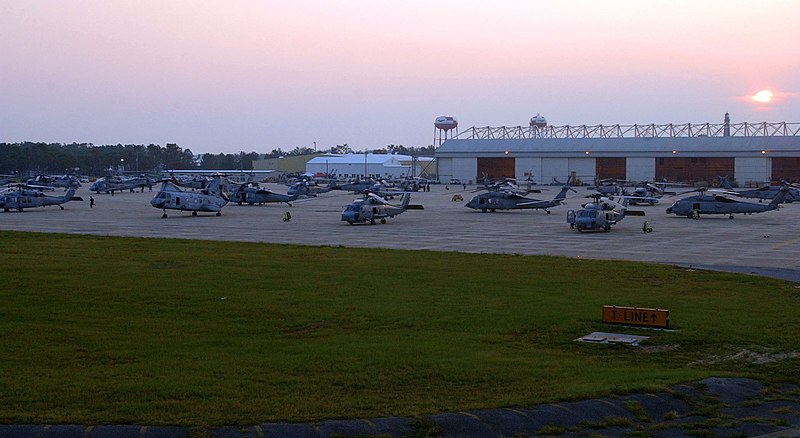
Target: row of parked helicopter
<point x="609" y="205"/>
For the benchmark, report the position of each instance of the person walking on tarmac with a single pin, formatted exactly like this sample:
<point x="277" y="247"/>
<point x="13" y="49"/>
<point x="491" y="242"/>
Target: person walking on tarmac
<point x="91" y="201"/>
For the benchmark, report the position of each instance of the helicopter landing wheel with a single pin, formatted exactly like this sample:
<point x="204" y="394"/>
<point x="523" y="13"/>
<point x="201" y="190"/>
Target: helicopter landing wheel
<point x="164" y="216"/>
<point x="483" y="210"/>
<point x="548" y="211"/>
<point x="606" y="228"/>
<point x="730" y="217"/>
<point x="61" y="207"/>
<point x="194" y="213"/>
<point x="383" y="221"/>
<point x="350" y="222"/>
<point x="219" y="213"/>
<point x="372" y="221"/>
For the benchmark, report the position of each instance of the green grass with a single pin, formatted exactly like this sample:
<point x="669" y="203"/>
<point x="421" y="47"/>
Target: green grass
<point x="99" y="330"/>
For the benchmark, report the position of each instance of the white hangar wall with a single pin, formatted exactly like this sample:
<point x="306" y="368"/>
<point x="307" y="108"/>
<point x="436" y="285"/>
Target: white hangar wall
<point x="752" y="171"/>
<point x="465" y="168"/>
<point x="552" y="168"/>
<point x="640" y="169"/>
<point x="584" y="169"/>
<point x="526" y="166"/>
<point x="444" y="168"/>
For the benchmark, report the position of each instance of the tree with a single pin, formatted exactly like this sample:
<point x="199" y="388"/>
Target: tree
<point x="341" y="149"/>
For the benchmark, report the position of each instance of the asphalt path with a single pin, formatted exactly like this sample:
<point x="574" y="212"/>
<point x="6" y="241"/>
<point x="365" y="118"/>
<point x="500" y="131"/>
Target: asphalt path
<point x="763" y="244"/>
<point x="712" y="407"/>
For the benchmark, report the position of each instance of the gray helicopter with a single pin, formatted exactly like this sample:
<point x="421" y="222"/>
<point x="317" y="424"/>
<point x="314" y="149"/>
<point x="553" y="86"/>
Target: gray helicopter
<point x="361" y="186"/>
<point x="250" y="195"/>
<point x="372" y="207"/>
<point x="24" y="197"/>
<point x="509" y="200"/>
<point x="761" y="193"/>
<point x="306" y="188"/>
<point x="600" y="214"/>
<point x="171" y="197"/>
<point x="712" y="202"/>
<point x="609" y="186"/>
<point x="508" y="185"/>
<point x="111" y="184"/>
<point x="65" y="181"/>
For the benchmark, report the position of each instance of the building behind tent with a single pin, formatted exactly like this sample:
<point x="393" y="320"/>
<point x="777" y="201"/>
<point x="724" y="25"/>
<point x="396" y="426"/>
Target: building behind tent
<point x="369" y="165"/>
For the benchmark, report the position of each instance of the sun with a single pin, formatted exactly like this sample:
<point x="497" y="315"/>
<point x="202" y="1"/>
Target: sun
<point x="763" y="96"/>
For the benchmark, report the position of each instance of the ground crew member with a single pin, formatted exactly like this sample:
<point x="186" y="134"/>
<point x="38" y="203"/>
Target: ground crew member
<point x="91" y="201"/>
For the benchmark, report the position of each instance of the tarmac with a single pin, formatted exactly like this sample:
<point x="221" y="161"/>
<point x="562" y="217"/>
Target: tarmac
<point x="766" y="244"/>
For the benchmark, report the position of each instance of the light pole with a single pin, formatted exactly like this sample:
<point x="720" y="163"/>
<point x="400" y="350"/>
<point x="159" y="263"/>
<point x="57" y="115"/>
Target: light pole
<point x="315" y="147"/>
<point x="122" y="164"/>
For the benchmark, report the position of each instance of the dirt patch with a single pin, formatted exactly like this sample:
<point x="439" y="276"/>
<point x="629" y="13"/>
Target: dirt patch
<point x="749" y="356"/>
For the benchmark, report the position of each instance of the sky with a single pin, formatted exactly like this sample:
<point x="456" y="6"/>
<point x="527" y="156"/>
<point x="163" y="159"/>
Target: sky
<point x="257" y="75"/>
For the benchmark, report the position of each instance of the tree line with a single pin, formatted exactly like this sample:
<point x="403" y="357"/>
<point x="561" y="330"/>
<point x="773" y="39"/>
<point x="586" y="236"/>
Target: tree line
<point x="89" y="159"/>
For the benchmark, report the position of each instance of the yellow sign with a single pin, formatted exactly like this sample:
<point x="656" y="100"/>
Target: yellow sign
<point x="636" y="316"/>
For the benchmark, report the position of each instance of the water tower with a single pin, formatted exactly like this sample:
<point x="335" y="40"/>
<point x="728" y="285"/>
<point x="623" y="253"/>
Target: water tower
<point x="441" y="126"/>
<point x="538" y="123"/>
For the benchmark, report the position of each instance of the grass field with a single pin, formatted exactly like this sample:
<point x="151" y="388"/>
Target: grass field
<point x="100" y="330"/>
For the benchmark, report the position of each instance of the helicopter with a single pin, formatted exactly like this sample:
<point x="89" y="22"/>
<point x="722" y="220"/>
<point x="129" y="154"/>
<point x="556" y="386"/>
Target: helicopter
<point x="361" y="186"/>
<point x="65" y="181"/>
<point x="642" y="195"/>
<point x="609" y="186"/>
<point x="509" y="185"/>
<point x="306" y="188"/>
<point x="250" y="195"/>
<point x="111" y="184"/>
<point x="24" y="197"/>
<point x="6" y="179"/>
<point x="761" y="193"/>
<point x="171" y="197"/>
<point x="600" y="214"/>
<point x="372" y="207"/>
<point x="509" y="200"/>
<point x="413" y="184"/>
<point x="710" y="202"/>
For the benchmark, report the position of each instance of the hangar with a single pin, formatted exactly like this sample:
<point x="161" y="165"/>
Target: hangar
<point x="751" y="153"/>
<point x="368" y="165"/>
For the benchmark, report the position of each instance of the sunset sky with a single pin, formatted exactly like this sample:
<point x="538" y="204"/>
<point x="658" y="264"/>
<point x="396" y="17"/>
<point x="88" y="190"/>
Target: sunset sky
<point x="256" y="75"/>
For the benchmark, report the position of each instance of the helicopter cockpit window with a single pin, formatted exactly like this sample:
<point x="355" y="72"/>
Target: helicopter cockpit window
<point x="588" y="213"/>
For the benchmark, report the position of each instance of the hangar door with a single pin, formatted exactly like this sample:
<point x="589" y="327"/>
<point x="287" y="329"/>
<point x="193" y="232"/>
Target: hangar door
<point x="693" y="169"/>
<point x="494" y="168"/>
<point x="786" y="168"/>
<point x="610" y="168"/>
